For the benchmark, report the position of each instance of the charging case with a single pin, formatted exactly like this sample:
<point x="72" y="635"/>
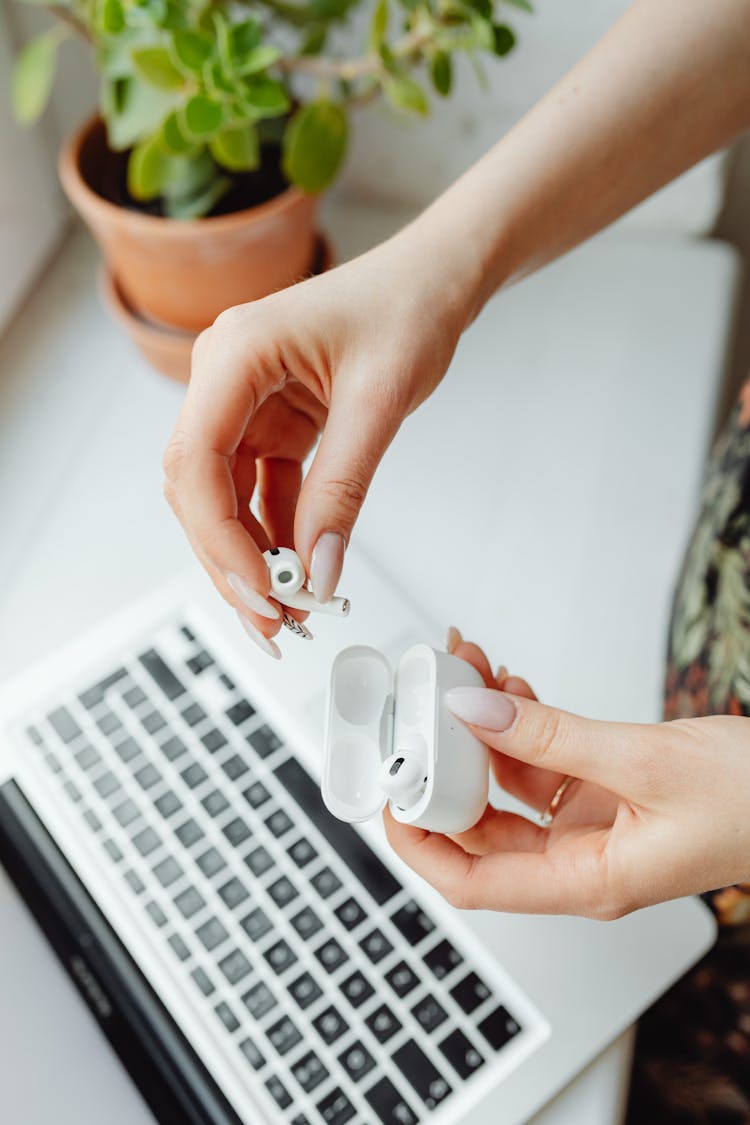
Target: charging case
<point x="372" y="715"/>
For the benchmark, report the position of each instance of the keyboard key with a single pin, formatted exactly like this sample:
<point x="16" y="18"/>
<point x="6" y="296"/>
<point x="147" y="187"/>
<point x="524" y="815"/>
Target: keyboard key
<point x="284" y="1035"/>
<point x="134" y="697"/>
<point x="283" y="891"/>
<point x="168" y="871"/>
<point x="72" y="790"/>
<point x="259" y="1000"/>
<point x="376" y="946"/>
<point x="278" y="1092"/>
<point x="240" y="712"/>
<point x="233" y="893"/>
<point x="134" y="882"/>
<point x="147" y="776"/>
<point x="309" y="1071"/>
<point x="87" y="757"/>
<point x="127" y="750"/>
<point x="106" y="784"/>
<point x="302" y="852"/>
<point x="390" y="1105"/>
<point x="126" y="812"/>
<point x="330" y="1025"/>
<point x="264" y="741"/>
<point x="227" y="1016"/>
<point x="168" y="804"/>
<point x="236" y="831"/>
<point x="307" y="923"/>
<point x="461" y="1054"/>
<point x="252" y="1054"/>
<point x="179" y="946"/>
<point x="357" y="989"/>
<point x="189" y="902"/>
<point x="161" y="674"/>
<point x="305" y="990"/>
<point x="228" y="684"/>
<point x="235" y="966"/>
<point x="95" y="694"/>
<point x="234" y="767"/>
<point x="64" y="724"/>
<point x="187" y="633"/>
<point x="52" y="762"/>
<point x="364" y="865"/>
<point x="413" y="923"/>
<point x="173" y="748"/>
<point x="214" y="803"/>
<point x="420" y="1072"/>
<point x="402" y="979"/>
<point x="256" y="924"/>
<point x="279" y="822"/>
<point x="194" y="775"/>
<point x="443" y="959"/>
<point x="325" y="882"/>
<point x="203" y="980"/>
<point x="153" y="721"/>
<point x="256" y="794"/>
<point x="156" y="913"/>
<point x="211" y="862"/>
<point x="146" y="841"/>
<point x="335" y="1108"/>
<point x="331" y="955"/>
<point x="383" y="1023"/>
<point x="429" y="1013"/>
<point x="92" y="820"/>
<point x="499" y="1028"/>
<point x="259" y="861"/>
<point x="189" y="832"/>
<point x="211" y="934"/>
<point x="108" y="723"/>
<point x="350" y="914"/>
<point x="193" y="715"/>
<point x="200" y="662"/>
<point x="470" y="993"/>
<point x="112" y="850"/>
<point x="280" y="956"/>
<point x="357" y="1061"/>
<point x="213" y="740"/>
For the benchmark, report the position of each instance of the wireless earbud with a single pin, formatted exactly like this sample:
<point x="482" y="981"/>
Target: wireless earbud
<point x="288" y="580"/>
<point x="403" y="778"/>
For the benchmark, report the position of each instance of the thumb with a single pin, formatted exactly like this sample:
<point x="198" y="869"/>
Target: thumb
<point x="361" y="425"/>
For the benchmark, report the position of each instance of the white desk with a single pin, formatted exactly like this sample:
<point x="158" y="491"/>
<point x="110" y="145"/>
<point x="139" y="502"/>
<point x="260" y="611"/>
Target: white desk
<point x="574" y="459"/>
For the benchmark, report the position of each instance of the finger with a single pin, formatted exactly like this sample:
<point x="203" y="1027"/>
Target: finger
<point x="497" y="830"/>
<point x="550" y="882"/>
<point x="516" y="686"/>
<point x="279" y="482"/>
<point x="605" y="753"/>
<point x="474" y="655"/>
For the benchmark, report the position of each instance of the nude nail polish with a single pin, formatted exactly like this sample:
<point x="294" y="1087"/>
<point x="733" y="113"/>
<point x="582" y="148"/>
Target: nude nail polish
<point x="326" y="565"/>
<point x="264" y="643"/>
<point x="482" y="707"/>
<point x="252" y="599"/>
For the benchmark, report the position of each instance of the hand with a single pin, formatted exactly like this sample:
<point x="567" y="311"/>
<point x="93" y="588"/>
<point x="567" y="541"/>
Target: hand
<point x="351" y="352"/>
<point x="658" y="812"/>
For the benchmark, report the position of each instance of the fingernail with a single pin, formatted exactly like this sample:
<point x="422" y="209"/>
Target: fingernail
<point x="502" y="674"/>
<point x="453" y="639"/>
<point x="296" y="627"/>
<point x="326" y="565"/>
<point x="252" y="599"/>
<point x="265" y="643"/>
<point x="483" y="707"/>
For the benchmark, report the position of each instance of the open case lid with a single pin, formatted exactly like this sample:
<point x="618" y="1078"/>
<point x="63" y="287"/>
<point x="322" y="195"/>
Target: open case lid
<point x="358" y="733"/>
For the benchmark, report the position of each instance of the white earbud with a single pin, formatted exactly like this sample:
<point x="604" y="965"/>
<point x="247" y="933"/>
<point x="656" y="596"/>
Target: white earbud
<point x="288" y="584"/>
<point x="402" y="778"/>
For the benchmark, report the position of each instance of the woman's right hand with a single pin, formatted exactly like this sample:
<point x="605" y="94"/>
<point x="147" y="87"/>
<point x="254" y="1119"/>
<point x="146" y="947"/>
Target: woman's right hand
<point x="351" y="353"/>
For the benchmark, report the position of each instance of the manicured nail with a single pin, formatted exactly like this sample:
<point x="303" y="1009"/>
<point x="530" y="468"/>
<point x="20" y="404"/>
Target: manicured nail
<point x="453" y="639"/>
<point x="326" y="564"/>
<point x="252" y="599"/>
<point x="482" y="707"/>
<point x="502" y="674"/>
<point x="296" y="627"/>
<point x="265" y="643"/>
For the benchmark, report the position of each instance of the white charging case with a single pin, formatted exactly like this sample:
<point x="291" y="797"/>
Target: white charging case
<point x="371" y="716"/>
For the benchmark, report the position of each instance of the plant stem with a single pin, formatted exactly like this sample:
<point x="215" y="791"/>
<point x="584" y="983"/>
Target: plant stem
<point x="350" y="70"/>
<point x="64" y="15"/>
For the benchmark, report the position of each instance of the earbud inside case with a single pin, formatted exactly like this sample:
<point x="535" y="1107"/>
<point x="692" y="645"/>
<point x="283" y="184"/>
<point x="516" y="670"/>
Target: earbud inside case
<point x="371" y="715"/>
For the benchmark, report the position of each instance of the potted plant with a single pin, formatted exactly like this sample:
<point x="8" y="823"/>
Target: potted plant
<point x="221" y="122"/>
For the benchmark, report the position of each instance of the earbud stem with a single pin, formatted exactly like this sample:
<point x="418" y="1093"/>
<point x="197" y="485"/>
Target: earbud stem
<point x="304" y="599"/>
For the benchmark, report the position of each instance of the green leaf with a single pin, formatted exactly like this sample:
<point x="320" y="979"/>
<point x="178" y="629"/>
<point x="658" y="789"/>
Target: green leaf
<point x="441" y="70"/>
<point x="185" y="207"/>
<point x="147" y="170"/>
<point x="504" y="39"/>
<point x="201" y="116"/>
<point x="405" y="93"/>
<point x="156" y="67"/>
<point x="257" y="59"/>
<point x="378" y="24"/>
<point x="111" y="17"/>
<point x="265" y="96"/>
<point x="236" y="149"/>
<point x="33" y="75"/>
<point x="524" y="5"/>
<point x="314" y="145"/>
<point x="133" y="111"/>
<point x="388" y="58"/>
<point x="191" y="49"/>
<point x="484" y="7"/>
<point x="173" y="139"/>
<point x="315" y="40"/>
<point x="483" y="34"/>
<point x="216" y="80"/>
<point x="241" y="39"/>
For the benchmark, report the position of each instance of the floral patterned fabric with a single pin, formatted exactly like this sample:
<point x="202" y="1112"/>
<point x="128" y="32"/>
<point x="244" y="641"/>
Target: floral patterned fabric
<point x="692" y="1064"/>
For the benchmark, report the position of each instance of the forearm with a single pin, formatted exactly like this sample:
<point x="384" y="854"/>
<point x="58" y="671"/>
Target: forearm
<point x="667" y="86"/>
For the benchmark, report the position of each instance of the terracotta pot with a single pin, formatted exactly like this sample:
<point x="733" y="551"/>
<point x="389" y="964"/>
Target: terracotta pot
<point x="184" y="273"/>
<point x="169" y="349"/>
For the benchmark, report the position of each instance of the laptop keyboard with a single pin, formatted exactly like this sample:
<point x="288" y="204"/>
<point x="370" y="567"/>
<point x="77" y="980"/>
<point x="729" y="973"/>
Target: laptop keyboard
<point x="334" y="989"/>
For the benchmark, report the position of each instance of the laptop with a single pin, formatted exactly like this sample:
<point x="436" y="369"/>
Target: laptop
<point x="249" y="957"/>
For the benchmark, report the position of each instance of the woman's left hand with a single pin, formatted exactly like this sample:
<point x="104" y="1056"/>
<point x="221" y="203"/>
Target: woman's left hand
<point x="656" y="811"/>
